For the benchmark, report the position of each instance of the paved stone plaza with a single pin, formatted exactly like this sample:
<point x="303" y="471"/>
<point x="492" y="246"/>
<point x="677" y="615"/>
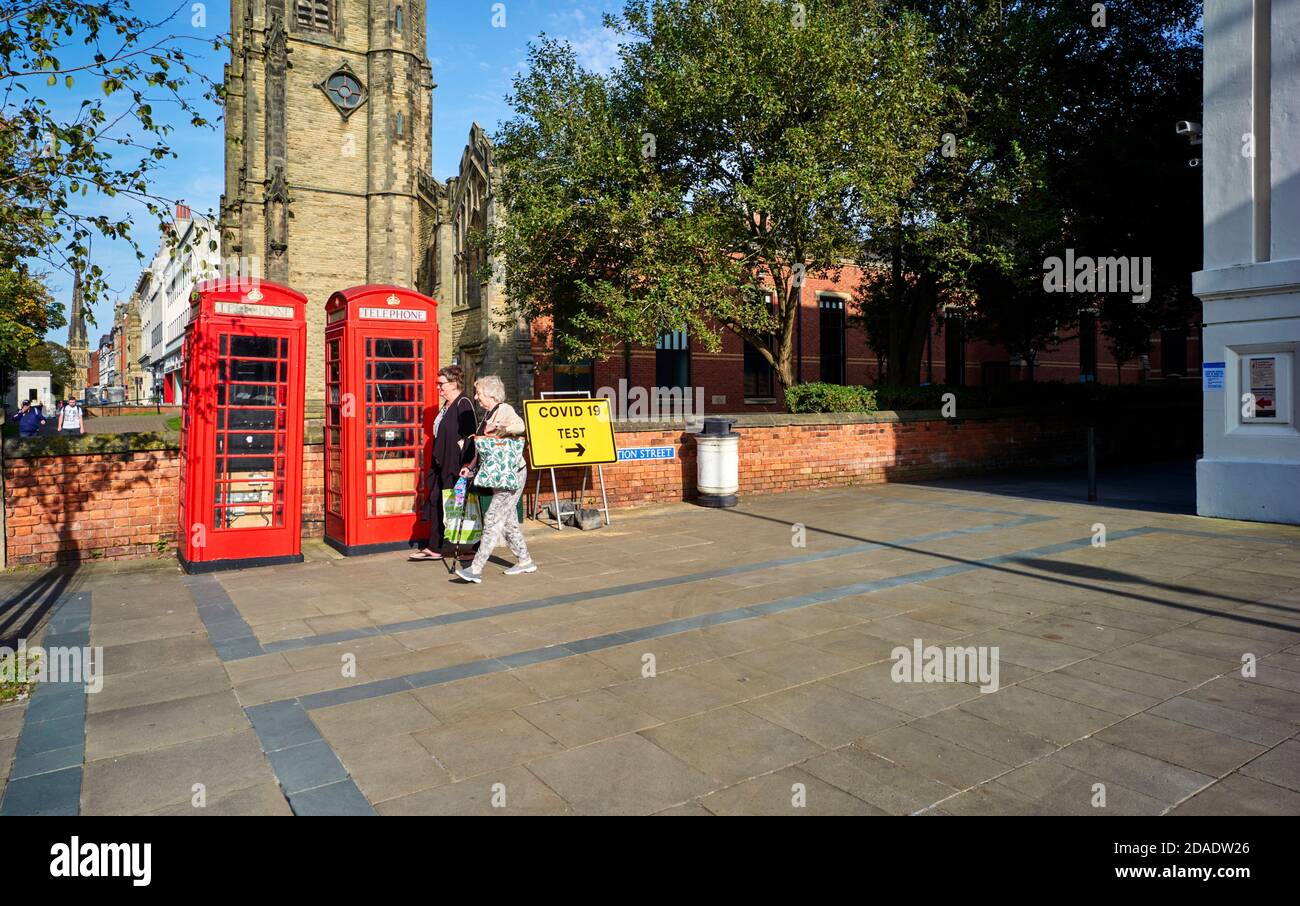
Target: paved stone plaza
<point x="1119" y="665"/>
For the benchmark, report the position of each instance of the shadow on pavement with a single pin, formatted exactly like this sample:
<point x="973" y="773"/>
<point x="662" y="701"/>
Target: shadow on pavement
<point x="1166" y="487"/>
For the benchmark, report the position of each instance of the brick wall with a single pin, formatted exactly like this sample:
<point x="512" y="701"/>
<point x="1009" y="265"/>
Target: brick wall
<point x="796" y="452"/>
<point x="73" y="506"/>
<point x="97" y="506"/>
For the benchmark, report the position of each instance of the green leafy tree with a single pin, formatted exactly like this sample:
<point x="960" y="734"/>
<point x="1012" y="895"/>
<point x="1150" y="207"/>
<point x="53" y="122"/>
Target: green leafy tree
<point x="739" y="147"/>
<point x="79" y="83"/>
<point x="27" y="313"/>
<point x="54" y="358"/>
<point x="1056" y="132"/>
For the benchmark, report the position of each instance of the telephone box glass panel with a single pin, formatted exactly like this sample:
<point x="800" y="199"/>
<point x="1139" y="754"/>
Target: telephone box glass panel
<point x="394" y="432"/>
<point x="250" y="438"/>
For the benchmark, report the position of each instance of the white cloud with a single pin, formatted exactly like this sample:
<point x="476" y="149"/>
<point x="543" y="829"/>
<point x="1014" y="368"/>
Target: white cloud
<point x="597" y="48"/>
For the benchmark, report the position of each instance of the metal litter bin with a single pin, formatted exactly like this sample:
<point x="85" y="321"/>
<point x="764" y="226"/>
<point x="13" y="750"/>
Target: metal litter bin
<point x="717" y="463"/>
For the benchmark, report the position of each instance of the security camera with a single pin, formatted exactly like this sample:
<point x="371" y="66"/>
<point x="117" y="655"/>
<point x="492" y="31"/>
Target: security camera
<point x="1189" y="129"/>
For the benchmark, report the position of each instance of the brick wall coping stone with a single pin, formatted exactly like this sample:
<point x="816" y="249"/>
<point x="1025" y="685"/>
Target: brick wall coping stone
<point x="90" y="444"/>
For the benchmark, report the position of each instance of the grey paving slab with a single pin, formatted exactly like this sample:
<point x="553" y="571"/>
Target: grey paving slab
<point x="1046" y="716"/>
<point x="825" y="714"/>
<point x="151" y="726"/>
<point x="1059" y="789"/>
<point x="489" y="742"/>
<point x="986" y="737"/>
<point x="876" y="683"/>
<point x="388" y="766"/>
<point x="1152" y="777"/>
<point x="56" y="793"/>
<point x="731" y="744"/>
<point x="586" y="717"/>
<point x="1251" y="697"/>
<point x="886" y="784"/>
<point x="263" y="799"/>
<point x="341" y="798"/>
<point x="147" y="781"/>
<point x="48" y="761"/>
<point x="929" y="756"/>
<point x="1238" y="794"/>
<point x="1093" y="694"/>
<point x="628" y="775"/>
<point x="375" y="718"/>
<point x="1227" y="721"/>
<point x="786" y="793"/>
<point x="282" y="725"/>
<point x="306" y="766"/>
<point x="1279" y="766"/>
<point x="503" y="793"/>
<point x="1181" y="744"/>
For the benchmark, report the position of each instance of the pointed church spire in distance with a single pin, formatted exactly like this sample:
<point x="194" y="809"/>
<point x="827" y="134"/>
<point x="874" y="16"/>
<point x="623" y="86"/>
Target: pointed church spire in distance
<point x="77" y="316"/>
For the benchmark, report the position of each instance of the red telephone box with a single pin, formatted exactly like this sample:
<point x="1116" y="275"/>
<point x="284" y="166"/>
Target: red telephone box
<point x="241" y="426"/>
<point x="381" y="366"/>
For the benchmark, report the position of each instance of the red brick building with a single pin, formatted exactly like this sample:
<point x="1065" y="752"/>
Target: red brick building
<point x="829" y="348"/>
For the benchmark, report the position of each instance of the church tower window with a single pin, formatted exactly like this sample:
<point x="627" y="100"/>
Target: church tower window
<point x="315" y="14"/>
<point x="344" y="88"/>
<point x="397" y="19"/>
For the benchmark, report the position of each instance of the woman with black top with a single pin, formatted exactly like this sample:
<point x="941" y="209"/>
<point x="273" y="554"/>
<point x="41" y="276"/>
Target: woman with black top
<point x="453" y="449"/>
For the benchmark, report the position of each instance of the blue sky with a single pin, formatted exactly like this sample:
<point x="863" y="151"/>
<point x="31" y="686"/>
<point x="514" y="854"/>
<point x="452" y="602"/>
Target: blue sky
<point x="473" y="65"/>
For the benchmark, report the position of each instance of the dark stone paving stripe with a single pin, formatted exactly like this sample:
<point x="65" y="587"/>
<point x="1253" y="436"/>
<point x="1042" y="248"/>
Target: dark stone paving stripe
<point x="482" y="613"/>
<point x="230" y="635"/>
<point x="309" y="772"/>
<point x="46" y="774"/>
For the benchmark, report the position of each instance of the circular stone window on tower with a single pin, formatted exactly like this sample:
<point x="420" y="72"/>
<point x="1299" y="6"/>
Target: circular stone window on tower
<point x="344" y="89"/>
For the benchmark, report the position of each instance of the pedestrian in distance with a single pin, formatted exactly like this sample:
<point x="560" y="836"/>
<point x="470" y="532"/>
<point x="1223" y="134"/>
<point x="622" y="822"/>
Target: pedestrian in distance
<point x="506" y="479"/>
<point x="72" y="422"/>
<point x="30" y="420"/>
<point x="453" y="449"/>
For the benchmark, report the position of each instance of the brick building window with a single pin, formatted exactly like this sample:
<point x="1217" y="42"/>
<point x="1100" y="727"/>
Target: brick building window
<point x="760" y="377"/>
<point x="1087" y="346"/>
<point x="954" y="351"/>
<point x="574" y="375"/>
<point x="1173" y="352"/>
<point x="314" y="14"/>
<point x="571" y="374"/>
<point x="831" y="349"/>
<point x="673" y="359"/>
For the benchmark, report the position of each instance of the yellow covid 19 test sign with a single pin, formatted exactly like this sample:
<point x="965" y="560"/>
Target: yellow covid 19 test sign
<point x="569" y="432"/>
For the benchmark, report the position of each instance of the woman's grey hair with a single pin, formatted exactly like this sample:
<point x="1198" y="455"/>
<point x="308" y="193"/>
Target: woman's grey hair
<point x="490" y="386"/>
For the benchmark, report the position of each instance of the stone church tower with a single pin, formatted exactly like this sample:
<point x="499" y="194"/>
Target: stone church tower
<point x="329" y="132"/>
<point x="328" y="149"/>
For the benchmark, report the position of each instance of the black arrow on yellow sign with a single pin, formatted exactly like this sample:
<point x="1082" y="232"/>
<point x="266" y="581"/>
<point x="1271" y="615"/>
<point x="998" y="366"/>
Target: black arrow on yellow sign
<point x="579" y="449"/>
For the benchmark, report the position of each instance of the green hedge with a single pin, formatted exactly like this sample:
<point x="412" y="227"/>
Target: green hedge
<point x="1075" y="397"/>
<point x="818" y="397"/>
<point x="1041" y="395"/>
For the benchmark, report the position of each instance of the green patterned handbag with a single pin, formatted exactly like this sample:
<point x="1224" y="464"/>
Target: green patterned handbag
<point x="499" y="462"/>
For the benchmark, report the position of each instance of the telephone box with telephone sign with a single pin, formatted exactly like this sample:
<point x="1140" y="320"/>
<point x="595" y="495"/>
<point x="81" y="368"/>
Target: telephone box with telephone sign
<point x="381" y="366"/>
<point x="242" y="426"/>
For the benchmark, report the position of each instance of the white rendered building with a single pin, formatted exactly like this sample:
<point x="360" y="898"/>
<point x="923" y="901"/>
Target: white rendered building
<point x="1250" y="285"/>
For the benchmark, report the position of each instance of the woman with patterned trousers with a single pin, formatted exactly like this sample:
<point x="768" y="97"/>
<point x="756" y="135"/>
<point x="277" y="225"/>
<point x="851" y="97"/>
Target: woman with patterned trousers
<point x="501" y="519"/>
